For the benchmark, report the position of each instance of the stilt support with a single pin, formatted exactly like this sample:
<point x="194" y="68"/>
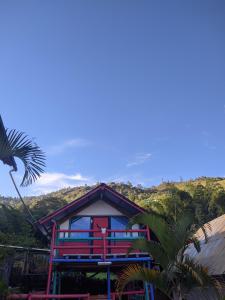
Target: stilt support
<point x="108" y="284"/>
<point x="55" y="275"/>
<point x="59" y="283"/>
<point x="151" y="287"/>
<point x="152" y="291"/>
<point x="146" y="291"/>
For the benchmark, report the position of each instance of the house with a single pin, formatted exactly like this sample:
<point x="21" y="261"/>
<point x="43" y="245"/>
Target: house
<point x="211" y="256"/>
<point x="90" y="236"/>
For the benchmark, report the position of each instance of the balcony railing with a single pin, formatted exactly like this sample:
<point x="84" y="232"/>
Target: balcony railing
<point x="99" y="242"/>
<point x="39" y="296"/>
<point x="48" y="296"/>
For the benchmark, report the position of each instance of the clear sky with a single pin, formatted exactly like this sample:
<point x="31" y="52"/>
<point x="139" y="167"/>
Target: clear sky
<point x="115" y="90"/>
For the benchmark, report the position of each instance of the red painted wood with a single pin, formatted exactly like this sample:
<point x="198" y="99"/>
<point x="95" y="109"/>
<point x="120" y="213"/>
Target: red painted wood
<point x="119" y="247"/>
<point x="51" y="258"/>
<point x="82" y="248"/>
<point x="98" y="223"/>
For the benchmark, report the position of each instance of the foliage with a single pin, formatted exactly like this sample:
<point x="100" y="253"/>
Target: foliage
<point x="180" y="273"/>
<point x="17" y="144"/>
<point x="46" y="205"/>
<point x="3" y="289"/>
<point x="14" y="229"/>
<point x="204" y="197"/>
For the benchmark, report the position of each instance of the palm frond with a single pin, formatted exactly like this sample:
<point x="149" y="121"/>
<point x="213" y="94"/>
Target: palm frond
<point x="154" y="249"/>
<point x="5" y="150"/>
<point x="205" y="229"/>
<point x="199" y="276"/>
<point x="183" y="223"/>
<point x="192" y="272"/>
<point x="160" y="228"/>
<point x="17" y="144"/>
<point x="194" y="240"/>
<point x="184" y="232"/>
<point x="157" y="208"/>
<point x="138" y="273"/>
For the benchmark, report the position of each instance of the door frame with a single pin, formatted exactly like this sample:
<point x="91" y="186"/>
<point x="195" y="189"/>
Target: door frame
<point x="92" y="227"/>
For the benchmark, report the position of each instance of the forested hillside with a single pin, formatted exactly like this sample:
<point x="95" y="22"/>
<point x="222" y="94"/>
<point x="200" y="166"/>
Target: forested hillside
<point x="204" y="196"/>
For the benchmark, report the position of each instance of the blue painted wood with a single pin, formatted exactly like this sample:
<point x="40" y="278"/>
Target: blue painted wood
<point x="152" y="292"/>
<point x="124" y="238"/>
<point x="54" y="291"/>
<point x="94" y="260"/>
<point x="78" y="239"/>
<point x="146" y="291"/>
<point x="151" y="287"/>
<point x="108" y="284"/>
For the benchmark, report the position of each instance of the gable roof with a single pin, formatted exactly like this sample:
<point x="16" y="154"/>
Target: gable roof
<point x="103" y="192"/>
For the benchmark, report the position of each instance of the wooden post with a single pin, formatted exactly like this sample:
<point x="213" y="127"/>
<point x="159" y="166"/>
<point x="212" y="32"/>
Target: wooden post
<point x="146" y="291"/>
<point x="151" y="287"/>
<point x="104" y="243"/>
<point x="148" y="234"/>
<point x="59" y="283"/>
<point x="108" y="284"/>
<point x="51" y="259"/>
<point x="146" y="288"/>
<point x="55" y="280"/>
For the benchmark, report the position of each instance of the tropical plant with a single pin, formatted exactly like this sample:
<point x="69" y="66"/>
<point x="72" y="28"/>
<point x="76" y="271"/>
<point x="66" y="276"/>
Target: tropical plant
<point x="3" y="289"/>
<point x="15" y="144"/>
<point x="178" y="272"/>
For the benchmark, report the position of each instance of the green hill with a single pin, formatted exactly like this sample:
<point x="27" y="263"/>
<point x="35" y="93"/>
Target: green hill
<point x="205" y="196"/>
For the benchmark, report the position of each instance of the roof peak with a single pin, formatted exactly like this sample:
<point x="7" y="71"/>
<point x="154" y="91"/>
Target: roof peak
<point x="111" y="194"/>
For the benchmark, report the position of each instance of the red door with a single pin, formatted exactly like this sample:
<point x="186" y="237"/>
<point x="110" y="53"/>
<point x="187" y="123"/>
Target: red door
<point x="99" y="223"/>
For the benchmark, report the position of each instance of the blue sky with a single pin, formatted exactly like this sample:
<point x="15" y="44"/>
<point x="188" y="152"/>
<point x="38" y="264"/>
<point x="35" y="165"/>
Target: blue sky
<point x="115" y="90"/>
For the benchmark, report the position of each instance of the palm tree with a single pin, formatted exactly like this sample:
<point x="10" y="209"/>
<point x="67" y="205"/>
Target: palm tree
<point x="15" y="144"/>
<point x="179" y="273"/>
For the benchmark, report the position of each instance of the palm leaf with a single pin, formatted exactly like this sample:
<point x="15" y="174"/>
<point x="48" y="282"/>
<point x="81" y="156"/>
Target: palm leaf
<point x="138" y="273"/>
<point x="196" y="243"/>
<point x="17" y="144"/>
<point x="161" y="229"/>
<point x="154" y="249"/>
<point x="5" y="153"/>
<point x="184" y="231"/>
<point x="205" y="229"/>
<point x="198" y="276"/>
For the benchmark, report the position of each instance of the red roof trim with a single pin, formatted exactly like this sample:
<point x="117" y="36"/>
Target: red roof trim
<point x="102" y="186"/>
<point x="44" y="219"/>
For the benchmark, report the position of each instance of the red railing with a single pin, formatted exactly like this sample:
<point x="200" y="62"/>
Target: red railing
<point x="108" y="240"/>
<point x="114" y="296"/>
<point x="48" y="296"/>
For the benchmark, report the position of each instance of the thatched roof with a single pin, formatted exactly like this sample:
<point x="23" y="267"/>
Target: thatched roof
<point x="212" y="253"/>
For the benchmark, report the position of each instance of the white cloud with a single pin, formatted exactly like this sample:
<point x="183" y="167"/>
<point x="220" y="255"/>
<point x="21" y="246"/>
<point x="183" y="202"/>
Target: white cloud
<point x="68" y="144"/>
<point x="50" y="182"/>
<point x="139" y="158"/>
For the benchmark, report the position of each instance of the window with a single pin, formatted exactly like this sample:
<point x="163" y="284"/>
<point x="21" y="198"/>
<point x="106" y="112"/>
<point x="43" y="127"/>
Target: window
<point x="119" y="223"/>
<point x="80" y="223"/>
<point x="122" y="224"/>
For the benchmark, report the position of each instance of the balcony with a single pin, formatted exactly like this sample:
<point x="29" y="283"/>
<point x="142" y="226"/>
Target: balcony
<point x="101" y="244"/>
